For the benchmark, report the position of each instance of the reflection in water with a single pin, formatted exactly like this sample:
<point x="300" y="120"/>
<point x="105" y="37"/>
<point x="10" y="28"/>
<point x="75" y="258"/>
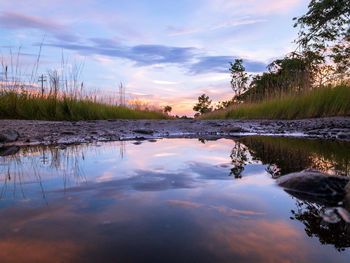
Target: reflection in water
<point x="335" y="233"/>
<point x="174" y="200"/>
<point x="288" y="155"/>
<point x="239" y="157"/>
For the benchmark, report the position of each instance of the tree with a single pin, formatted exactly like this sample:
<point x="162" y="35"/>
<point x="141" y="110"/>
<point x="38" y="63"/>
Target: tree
<point x="239" y="78"/>
<point x="203" y="105"/>
<point x="167" y="109"/>
<point x="325" y="30"/>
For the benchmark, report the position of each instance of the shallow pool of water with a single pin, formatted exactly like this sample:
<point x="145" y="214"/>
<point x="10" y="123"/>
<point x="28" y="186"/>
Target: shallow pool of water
<point x="170" y="200"/>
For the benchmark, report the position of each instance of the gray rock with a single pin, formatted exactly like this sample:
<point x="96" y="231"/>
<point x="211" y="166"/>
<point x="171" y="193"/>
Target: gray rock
<point x="9" y="135"/>
<point x="144" y="131"/>
<point x="314" y="186"/>
<point x="343" y="136"/>
<point x="234" y="129"/>
<point x="347" y="197"/>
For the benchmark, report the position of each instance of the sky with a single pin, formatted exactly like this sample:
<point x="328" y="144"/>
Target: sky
<point x="165" y="52"/>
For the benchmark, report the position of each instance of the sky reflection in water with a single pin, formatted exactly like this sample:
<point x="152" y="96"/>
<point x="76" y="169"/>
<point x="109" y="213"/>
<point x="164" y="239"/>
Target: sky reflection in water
<point x="172" y="200"/>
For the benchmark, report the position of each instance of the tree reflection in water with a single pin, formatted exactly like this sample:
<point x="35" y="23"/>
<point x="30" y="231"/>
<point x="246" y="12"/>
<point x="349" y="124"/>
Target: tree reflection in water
<point x="310" y="214"/>
<point x="286" y="155"/>
<point x="239" y="159"/>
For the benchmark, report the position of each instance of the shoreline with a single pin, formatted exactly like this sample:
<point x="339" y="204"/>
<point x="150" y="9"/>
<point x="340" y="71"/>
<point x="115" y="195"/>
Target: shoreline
<point x="33" y="132"/>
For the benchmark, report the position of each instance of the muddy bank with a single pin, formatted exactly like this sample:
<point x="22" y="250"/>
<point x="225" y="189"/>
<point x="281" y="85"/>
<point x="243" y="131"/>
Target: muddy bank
<point x="64" y="132"/>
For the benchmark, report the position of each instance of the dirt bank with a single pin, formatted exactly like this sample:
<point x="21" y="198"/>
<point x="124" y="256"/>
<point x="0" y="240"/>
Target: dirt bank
<point x="64" y="132"/>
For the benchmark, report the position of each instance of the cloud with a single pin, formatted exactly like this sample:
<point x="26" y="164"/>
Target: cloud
<point x="238" y="23"/>
<point x="220" y="64"/>
<point x="163" y="82"/>
<point x="142" y="55"/>
<point x="262" y="7"/>
<point x="106" y="42"/>
<point x="174" y="31"/>
<point x="146" y="55"/>
<point x="14" y="20"/>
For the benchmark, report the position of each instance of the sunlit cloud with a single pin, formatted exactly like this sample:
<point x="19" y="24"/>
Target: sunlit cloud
<point x="164" y="154"/>
<point x="163" y="82"/>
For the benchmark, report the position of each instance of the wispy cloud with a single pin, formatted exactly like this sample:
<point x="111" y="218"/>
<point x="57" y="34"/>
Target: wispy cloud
<point x="14" y="20"/>
<point x="233" y="23"/>
<point x="262" y="7"/>
<point x="174" y="31"/>
<point x="162" y="82"/>
<point x="142" y="55"/>
<point x="220" y="64"/>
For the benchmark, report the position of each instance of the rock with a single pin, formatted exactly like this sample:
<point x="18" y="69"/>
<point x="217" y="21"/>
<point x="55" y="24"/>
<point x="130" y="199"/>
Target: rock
<point x="343" y="136"/>
<point x="68" y="133"/>
<point x="9" y="135"/>
<point x="314" y="186"/>
<point x="234" y="129"/>
<point x="10" y="150"/>
<point x="144" y="131"/>
<point x="347" y="197"/>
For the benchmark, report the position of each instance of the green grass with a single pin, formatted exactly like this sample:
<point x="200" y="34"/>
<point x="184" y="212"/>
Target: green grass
<point x="321" y="102"/>
<point x="33" y="107"/>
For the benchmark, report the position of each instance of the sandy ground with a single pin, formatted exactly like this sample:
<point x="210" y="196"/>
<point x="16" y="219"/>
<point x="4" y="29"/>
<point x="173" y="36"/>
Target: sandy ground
<point x="64" y="132"/>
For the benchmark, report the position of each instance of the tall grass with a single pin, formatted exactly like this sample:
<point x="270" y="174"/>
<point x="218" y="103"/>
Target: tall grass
<point x="24" y="106"/>
<point x="59" y="96"/>
<point x="320" y="102"/>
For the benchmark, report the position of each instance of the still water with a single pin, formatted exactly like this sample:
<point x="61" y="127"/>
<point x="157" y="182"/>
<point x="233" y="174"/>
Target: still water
<point x="170" y="200"/>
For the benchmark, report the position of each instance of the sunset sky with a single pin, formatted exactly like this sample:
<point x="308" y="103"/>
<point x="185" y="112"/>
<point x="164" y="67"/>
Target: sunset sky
<point x="164" y="51"/>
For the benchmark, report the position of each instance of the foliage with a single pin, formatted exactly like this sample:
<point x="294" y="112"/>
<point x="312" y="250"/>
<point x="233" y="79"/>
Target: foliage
<point x="325" y="30"/>
<point x="239" y="78"/>
<point x="203" y="105"/>
<point x="167" y="109"/>
<point x="291" y="75"/>
<point x="320" y="102"/>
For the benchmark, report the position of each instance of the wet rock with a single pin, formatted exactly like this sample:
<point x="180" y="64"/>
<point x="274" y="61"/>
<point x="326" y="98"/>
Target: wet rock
<point x="235" y="129"/>
<point x="144" y="131"/>
<point x="68" y="133"/>
<point x="9" y="135"/>
<point x="343" y="136"/>
<point x="315" y="187"/>
<point x="10" y="150"/>
<point x="347" y="197"/>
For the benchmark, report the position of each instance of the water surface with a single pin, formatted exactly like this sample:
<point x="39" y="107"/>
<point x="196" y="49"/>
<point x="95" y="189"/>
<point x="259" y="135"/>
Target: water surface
<point x="172" y="200"/>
